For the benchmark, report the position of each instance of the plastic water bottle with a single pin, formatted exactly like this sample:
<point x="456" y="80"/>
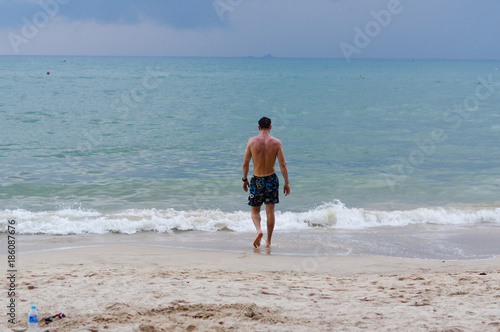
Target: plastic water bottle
<point x="33" y="319"/>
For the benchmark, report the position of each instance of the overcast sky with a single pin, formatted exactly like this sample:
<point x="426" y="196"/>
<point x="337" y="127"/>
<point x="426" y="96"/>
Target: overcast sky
<point x="452" y="29"/>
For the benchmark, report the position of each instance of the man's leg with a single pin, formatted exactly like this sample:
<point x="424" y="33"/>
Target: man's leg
<point x="256" y="222"/>
<point x="270" y="223"/>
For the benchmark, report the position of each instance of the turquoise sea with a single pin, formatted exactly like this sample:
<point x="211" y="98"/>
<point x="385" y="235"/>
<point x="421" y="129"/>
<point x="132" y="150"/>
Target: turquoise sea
<point x="389" y="157"/>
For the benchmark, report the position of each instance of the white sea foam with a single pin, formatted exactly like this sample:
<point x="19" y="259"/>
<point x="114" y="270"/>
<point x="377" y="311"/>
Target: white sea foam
<point x="329" y="215"/>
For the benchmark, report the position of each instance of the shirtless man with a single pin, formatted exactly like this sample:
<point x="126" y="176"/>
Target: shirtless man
<point x="264" y="185"/>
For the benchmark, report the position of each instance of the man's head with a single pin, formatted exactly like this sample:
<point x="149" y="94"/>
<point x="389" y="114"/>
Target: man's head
<point x="265" y="123"/>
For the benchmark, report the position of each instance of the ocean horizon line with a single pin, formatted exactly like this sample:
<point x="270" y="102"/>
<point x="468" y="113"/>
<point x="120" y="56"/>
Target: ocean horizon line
<point x="265" y="56"/>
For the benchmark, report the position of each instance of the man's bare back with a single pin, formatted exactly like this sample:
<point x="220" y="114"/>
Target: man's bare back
<point x="264" y="150"/>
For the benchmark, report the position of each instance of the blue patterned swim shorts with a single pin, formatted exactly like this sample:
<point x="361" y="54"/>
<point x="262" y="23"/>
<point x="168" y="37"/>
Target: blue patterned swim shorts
<point x="264" y="190"/>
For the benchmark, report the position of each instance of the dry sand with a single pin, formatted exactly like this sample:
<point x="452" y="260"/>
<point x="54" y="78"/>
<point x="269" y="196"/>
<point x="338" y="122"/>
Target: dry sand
<point x="134" y="288"/>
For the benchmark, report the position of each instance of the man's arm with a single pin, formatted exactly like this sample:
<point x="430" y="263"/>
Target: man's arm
<point x="283" y="169"/>
<point x="246" y="165"/>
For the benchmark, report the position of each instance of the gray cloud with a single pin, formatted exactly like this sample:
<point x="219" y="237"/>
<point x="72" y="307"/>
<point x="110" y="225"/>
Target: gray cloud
<point x="187" y="14"/>
<point x="291" y="28"/>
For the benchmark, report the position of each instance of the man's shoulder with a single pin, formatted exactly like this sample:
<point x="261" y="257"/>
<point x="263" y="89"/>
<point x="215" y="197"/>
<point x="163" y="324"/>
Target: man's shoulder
<point x="253" y="139"/>
<point x="276" y="141"/>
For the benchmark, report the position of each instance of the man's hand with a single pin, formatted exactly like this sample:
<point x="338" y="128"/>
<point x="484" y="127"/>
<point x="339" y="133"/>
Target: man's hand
<point x="245" y="185"/>
<point x="286" y="189"/>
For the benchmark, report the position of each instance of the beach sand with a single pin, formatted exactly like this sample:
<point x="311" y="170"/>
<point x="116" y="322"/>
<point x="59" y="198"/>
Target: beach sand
<point x="139" y="288"/>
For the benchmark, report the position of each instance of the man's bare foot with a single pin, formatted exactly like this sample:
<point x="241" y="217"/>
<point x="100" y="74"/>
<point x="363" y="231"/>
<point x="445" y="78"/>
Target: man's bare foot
<point x="268" y="244"/>
<point x="256" y="242"/>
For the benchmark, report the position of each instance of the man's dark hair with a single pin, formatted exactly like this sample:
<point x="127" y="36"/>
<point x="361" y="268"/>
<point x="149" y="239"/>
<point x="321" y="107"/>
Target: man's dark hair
<point x="265" y="123"/>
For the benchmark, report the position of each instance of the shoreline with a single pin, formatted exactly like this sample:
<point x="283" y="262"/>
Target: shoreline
<point x="260" y="251"/>
<point x="258" y="259"/>
<point x="141" y="288"/>
<point x="420" y="241"/>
